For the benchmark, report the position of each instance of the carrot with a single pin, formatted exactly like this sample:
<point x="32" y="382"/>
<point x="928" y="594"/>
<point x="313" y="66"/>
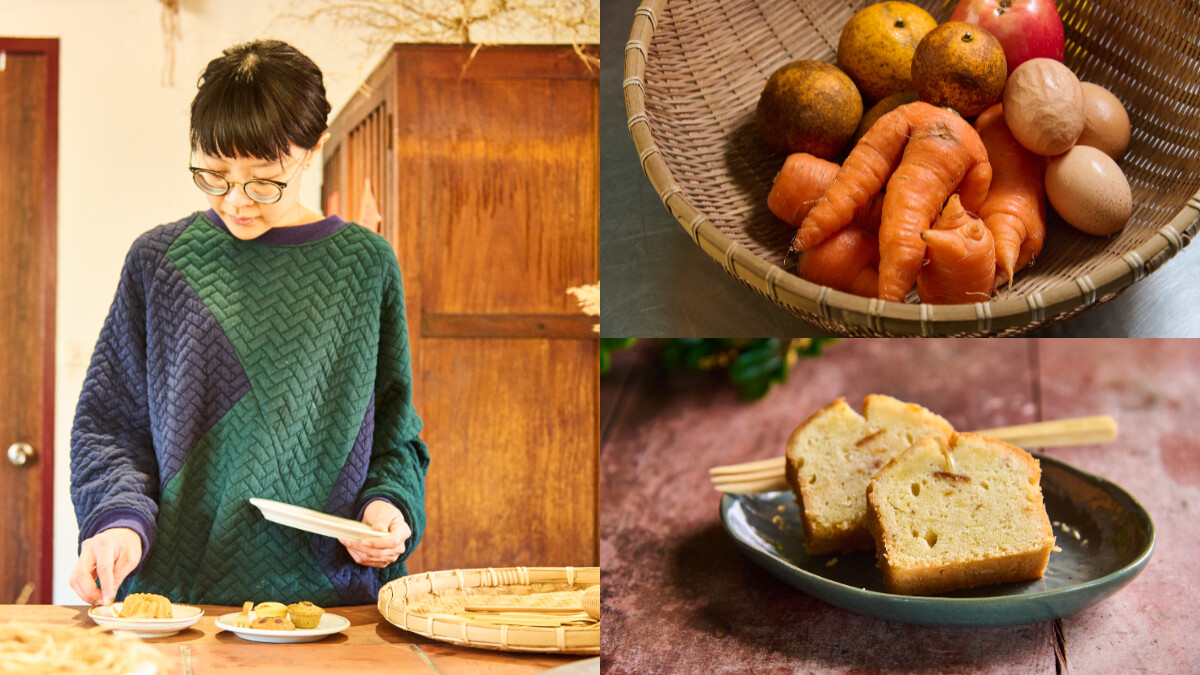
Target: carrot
<point x="846" y="261"/>
<point x="921" y="153"/>
<point x="802" y="181"/>
<point x="943" y="155"/>
<point x="1015" y="207"/>
<point x="862" y="176"/>
<point x="866" y="283"/>
<point x="960" y="258"/>
<point x="867" y="218"/>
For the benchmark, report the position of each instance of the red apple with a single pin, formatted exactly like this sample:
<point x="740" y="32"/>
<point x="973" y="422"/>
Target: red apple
<point x="1027" y="29"/>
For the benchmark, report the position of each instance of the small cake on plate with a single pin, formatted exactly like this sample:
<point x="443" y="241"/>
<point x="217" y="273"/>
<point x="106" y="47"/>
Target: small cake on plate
<point x="273" y="623"/>
<point x="270" y="609"/>
<point x="146" y="606"/>
<point x="305" y="614"/>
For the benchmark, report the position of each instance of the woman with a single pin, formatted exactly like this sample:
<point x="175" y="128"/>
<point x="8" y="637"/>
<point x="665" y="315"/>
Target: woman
<point x="256" y="349"/>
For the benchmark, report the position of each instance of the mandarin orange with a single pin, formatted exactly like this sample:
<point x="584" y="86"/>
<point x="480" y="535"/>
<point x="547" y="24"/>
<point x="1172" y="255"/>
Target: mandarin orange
<point x="877" y="44"/>
<point x="960" y="66"/>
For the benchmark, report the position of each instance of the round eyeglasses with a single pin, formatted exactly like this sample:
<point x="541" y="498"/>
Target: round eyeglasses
<point x="260" y="190"/>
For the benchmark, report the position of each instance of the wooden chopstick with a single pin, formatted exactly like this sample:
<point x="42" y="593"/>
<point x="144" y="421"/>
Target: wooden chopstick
<point x="753" y="486"/>
<point x="747" y="467"/>
<point x="761" y="474"/>
<point x="1057" y="433"/>
<point x="767" y="475"/>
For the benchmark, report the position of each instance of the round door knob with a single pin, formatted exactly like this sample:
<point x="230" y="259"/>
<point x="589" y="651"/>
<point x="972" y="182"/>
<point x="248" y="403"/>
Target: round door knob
<point x="20" y="453"/>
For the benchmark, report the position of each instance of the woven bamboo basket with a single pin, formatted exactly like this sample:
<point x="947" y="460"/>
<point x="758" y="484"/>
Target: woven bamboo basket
<point x="693" y="74"/>
<point x="434" y="604"/>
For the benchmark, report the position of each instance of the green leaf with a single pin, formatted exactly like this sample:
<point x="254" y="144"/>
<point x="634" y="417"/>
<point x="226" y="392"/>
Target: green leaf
<point x="755" y="371"/>
<point x="688" y="353"/>
<point x="755" y="364"/>
<point x="609" y="345"/>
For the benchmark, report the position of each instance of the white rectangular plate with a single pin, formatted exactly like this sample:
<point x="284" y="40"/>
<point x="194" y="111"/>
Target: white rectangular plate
<point x="314" y="521"/>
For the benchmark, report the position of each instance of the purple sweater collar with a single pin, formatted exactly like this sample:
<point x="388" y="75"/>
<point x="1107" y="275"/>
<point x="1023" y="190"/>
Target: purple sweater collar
<point x="299" y="234"/>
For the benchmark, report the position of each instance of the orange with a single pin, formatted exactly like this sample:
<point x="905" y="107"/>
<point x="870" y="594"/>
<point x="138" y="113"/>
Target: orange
<point x="809" y="106"/>
<point x="882" y="107"/>
<point x="960" y="66"/>
<point x="877" y="45"/>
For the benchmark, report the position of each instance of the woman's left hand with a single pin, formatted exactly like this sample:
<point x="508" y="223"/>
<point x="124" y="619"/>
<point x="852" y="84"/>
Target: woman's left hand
<point x="394" y="532"/>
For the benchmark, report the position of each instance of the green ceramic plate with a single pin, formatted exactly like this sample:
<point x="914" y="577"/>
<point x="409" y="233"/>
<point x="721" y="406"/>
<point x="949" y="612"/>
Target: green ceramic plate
<point x="1105" y="535"/>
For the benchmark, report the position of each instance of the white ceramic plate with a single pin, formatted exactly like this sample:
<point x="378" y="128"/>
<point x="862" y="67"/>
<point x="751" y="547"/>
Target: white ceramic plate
<point x="183" y="616"/>
<point x="314" y="521"/>
<point x="330" y="624"/>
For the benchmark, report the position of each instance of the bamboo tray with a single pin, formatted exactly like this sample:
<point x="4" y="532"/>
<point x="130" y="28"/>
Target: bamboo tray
<point x="693" y="74"/>
<point x="434" y="604"/>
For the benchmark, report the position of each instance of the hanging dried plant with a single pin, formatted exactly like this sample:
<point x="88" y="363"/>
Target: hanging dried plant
<point x="171" y="36"/>
<point x="384" y="22"/>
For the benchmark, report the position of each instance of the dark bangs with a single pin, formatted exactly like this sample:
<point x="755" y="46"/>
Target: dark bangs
<point x="257" y="100"/>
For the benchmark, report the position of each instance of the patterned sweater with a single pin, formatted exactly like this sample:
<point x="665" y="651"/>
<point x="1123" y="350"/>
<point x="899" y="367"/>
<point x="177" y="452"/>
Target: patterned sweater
<point x="229" y="369"/>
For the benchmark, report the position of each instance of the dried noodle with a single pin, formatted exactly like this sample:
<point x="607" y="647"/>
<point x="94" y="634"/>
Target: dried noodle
<point x="48" y="648"/>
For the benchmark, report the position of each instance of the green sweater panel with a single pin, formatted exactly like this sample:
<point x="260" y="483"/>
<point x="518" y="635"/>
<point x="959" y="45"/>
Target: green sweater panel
<point x="293" y="314"/>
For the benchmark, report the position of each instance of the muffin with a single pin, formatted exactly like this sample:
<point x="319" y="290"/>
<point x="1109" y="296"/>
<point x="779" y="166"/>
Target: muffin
<point x="305" y="614"/>
<point x="270" y="609"/>
<point x="146" y="606"/>
<point x="273" y="623"/>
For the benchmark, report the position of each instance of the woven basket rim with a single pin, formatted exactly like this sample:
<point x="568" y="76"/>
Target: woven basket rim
<point x="813" y="301"/>
<point x="394" y="596"/>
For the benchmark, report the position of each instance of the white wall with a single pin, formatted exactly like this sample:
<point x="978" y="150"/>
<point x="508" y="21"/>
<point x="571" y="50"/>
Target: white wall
<point x="123" y="152"/>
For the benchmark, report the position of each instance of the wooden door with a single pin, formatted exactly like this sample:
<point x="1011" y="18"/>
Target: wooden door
<point x="490" y="172"/>
<point x="508" y="163"/>
<point x="28" y="194"/>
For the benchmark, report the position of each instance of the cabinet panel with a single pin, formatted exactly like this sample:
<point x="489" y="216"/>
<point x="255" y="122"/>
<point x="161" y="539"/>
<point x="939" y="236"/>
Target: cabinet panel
<point x="514" y="474"/>
<point x="514" y="178"/>
<point x="485" y="168"/>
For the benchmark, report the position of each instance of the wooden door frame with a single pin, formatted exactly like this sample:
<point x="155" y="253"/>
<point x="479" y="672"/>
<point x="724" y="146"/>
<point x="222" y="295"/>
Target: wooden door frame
<point x="49" y="47"/>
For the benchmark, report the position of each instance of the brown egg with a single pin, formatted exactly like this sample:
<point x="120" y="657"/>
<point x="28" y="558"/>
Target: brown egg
<point x="1107" y="124"/>
<point x="1043" y="106"/>
<point x="1088" y="189"/>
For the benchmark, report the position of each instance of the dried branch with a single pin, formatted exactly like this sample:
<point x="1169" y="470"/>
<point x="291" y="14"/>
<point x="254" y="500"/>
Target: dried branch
<point x="172" y="34"/>
<point x="383" y="22"/>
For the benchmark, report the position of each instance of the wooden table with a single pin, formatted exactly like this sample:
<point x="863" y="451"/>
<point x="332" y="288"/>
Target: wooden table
<point x="680" y="597"/>
<point x="369" y="645"/>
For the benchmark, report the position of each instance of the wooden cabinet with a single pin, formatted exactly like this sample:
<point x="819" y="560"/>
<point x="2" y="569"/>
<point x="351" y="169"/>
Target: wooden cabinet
<point x="485" y="171"/>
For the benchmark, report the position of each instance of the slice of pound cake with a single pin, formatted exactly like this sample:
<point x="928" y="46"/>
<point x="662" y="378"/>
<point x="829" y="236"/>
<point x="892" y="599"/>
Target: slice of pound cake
<point x="946" y="516"/>
<point x="832" y="457"/>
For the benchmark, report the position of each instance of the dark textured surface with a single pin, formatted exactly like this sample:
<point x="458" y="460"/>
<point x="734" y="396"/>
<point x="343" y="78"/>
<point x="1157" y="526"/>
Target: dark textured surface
<point x="680" y="597"/>
<point x="658" y="283"/>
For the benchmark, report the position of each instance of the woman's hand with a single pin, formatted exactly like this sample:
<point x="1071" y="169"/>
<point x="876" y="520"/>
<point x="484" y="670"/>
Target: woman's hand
<point x="109" y="556"/>
<point x="383" y="550"/>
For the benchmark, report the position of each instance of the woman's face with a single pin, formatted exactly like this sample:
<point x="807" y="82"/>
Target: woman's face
<point x="246" y="218"/>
